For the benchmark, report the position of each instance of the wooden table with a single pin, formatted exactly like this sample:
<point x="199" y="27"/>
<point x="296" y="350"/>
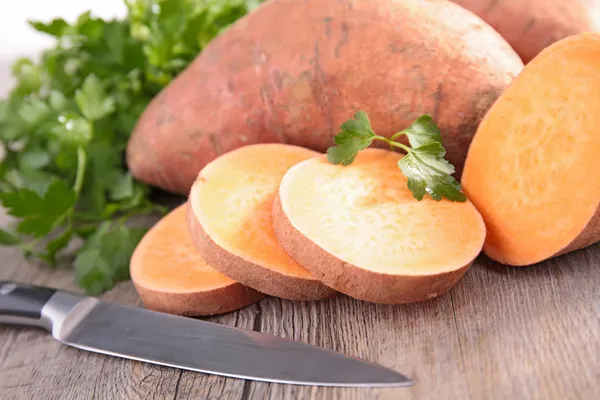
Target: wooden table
<point x="501" y="333"/>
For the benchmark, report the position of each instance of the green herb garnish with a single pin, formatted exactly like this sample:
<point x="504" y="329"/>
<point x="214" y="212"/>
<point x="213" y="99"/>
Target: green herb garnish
<point x="423" y="165"/>
<point x="65" y="126"/>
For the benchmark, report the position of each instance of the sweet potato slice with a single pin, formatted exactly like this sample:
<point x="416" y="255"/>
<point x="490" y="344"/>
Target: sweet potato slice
<point x="360" y="231"/>
<point x="171" y="277"/>
<point x="231" y="222"/>
<point x="532" y="170"/>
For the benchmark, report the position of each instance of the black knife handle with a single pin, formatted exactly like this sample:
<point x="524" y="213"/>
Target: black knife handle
<point x="21" y="303"/>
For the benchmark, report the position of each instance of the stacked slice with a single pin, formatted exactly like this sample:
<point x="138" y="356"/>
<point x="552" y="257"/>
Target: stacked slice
<point x="285" y="222"/>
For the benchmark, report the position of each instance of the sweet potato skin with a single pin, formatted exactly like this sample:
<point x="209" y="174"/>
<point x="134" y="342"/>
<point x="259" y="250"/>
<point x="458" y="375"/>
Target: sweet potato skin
<point x="530" y="26"/>
<point x="193" y="304"/>
<point x="293" y="71"/>
<point x="374" y="287"/>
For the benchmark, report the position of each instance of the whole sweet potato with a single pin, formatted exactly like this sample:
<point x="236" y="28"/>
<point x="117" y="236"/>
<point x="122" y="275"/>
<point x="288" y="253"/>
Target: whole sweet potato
<point x="292" y="71"/>
<point x="532" y="25"/>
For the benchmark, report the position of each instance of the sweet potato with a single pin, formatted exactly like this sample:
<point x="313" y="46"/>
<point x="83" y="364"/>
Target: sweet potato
<point x="231" y="222"/>
<point x="360" y="231"/>
<point x="532" y="169"/>
<point x="292" y="71"/>
<point x="171" y="277"/>
<point x="532" y="25"/>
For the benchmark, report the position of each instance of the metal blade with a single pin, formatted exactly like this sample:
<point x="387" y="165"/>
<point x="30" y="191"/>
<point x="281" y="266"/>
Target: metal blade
<point x="216" y="349"/>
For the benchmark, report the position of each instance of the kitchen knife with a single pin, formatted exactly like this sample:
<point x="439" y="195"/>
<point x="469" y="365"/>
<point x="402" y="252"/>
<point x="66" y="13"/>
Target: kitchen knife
<point x="134" y="333"/>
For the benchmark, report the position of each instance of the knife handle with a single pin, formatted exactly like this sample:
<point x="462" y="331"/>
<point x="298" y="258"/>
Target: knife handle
<point x="22" y="304"/>
<point x="48" y="308"/>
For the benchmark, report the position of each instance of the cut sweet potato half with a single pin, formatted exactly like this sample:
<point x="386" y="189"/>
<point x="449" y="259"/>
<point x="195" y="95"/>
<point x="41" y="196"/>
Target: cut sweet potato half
<point x="170" y="276"/>
<point x="360" y="231"/>
<point x="532" y="169"/>
<point x="231" y="222"/>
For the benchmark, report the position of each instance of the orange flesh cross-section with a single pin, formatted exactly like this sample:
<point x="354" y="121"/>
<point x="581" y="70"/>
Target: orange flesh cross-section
<point x="365" y="215"/>
<point x="166" y="259"/>
<point x="235" y="195"/>
<point x="532" y="169"/>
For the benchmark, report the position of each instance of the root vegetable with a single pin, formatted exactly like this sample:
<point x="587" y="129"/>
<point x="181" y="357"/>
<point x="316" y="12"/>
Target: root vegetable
<point x="292" y="71"/>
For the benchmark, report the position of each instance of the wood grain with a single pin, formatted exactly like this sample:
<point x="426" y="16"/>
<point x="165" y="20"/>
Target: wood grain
<point x="419" y="340"/>
<point x="532" y="333"/>
<point x="502" y="333"/>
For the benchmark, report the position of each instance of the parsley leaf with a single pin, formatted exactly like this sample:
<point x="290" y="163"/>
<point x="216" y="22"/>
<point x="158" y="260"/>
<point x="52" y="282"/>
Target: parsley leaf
<point x="72" y="129"/>
<point x="92" y="99"/>
<point x="28" y="75"/>
<point x="39" y="214"/>
<point x="123" y="187"/>
<point x="357" y="134"/>
<point x="33" y="159"/>
<point x="119" y="246"/>
<point x="102" y="174"/>
<point x="360" y="127"/>
<point x="92" y="272"/>
<point x="422" y="131"/>
<point x="428" y="173"/>
<point x="8" y="239"/>
<point x="34" y="112"/>
<point x="58" y="101"/>
<point x="57" y="244"/>
<point x="105" y="257"/>
<point x="56" y="27"/>
<point x="424" y="165"/>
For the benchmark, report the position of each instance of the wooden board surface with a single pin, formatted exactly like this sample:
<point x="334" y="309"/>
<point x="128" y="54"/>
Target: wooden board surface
<point x="501" y="333"/>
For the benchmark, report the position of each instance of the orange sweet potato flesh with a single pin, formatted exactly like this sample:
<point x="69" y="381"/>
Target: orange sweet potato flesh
<point x="171" y="277"/>
<point x="231" y="222"/>
<point x="532" y="169"/>
<point x="532" y="25"/>
<point x="360" y="231"/>
<point x="292" y="71"/>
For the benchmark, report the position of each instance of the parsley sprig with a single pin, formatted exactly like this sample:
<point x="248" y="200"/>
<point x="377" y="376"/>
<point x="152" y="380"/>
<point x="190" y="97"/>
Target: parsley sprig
<point x="424" y="165"/>
<point x="65" y="125"/>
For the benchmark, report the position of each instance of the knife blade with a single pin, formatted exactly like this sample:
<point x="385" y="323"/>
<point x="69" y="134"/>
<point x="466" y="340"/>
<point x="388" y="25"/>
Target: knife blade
<point x="158" y="338"/>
